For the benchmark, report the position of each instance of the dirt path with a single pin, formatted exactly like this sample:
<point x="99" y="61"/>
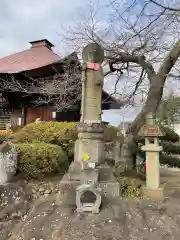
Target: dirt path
<point x="170" y="179"/>
<point x="123" y="220"/>
<point x="118" y="220"/>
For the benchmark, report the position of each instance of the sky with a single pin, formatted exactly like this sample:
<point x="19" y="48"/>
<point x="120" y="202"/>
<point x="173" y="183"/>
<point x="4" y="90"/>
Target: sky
<point x="22" y="21"/>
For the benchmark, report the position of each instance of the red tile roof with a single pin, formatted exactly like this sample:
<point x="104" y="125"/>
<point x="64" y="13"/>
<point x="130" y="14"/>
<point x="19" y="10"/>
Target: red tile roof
<point x="32" y="58"/>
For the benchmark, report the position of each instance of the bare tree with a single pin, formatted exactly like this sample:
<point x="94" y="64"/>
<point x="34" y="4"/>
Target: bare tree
<point x="141" y="43"/>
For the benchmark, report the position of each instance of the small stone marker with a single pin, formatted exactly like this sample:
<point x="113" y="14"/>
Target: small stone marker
<point x="151" y="131"/>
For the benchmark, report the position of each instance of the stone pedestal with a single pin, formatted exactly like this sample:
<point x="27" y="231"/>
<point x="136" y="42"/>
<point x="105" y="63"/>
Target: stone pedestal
<point x="90" y="142"/>
<point x="152" y="163"/>
<point x="153" y="189"/>
<point x="156" y="193"/>
<point x="108" y="184"/>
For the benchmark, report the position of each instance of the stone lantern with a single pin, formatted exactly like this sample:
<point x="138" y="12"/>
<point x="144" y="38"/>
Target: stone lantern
<point x="151" y="132"/>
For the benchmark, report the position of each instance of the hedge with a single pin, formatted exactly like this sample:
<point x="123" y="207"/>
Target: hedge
<point x="59" y="133"/>
<point x="169" y="143"/>
<point x="49" y="132"/>
<point x="38" y="159"/>
<point x="43" y="146"/>
<point x="170" y="135"/>
<point x="171" y="161"/>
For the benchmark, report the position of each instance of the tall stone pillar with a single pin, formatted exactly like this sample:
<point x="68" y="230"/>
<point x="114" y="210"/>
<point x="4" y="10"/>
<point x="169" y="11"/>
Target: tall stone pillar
<point x="151" y="131"/>
<point x="89" y="172"/>
<point x="90" y="129"/>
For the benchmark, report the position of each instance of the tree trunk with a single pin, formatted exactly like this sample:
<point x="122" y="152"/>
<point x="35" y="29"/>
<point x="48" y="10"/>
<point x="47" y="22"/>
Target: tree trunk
<point x="152" y="102"/>
<point x="157" y="82"/>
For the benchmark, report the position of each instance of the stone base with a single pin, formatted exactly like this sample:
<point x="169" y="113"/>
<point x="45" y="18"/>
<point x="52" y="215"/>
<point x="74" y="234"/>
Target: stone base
<point x="156" y="194"/>
<point x="94" y="148"/>
<point x="106" y="182"/>
<point x="91" y="206"/>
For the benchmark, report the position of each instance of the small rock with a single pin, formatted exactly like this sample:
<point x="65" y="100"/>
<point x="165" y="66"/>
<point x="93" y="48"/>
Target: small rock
<point x="35" y="196"/>
<point x="25" y="216"/>
<point x="34" y="190"/>
<point x="14" y="215"/>
<point x="41" y="190"/>
<point x="20" y="214"/>
<point x="48" y="191"/>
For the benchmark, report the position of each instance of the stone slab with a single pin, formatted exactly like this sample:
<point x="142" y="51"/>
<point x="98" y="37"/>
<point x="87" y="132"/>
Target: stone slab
<point x="91" y="206"/>
<point x="94" y="148"/>
<point x="154" y="194"/>
<point x="107" y="182"/>
<point x="89" y="177"/>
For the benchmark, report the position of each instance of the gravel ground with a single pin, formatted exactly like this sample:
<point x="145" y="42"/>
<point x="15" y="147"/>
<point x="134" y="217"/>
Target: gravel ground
<point x="123" y="220"/>
<point x="118" y="220"/>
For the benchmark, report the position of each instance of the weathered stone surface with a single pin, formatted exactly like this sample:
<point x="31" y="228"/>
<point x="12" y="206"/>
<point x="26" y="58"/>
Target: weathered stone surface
<point x="151" y="132"/>
<point x="92" y="93"/>
<point x="8" y="162"/>
<point x="94" y="148"/>
<point x="89" y="149"/>
<point x="90" y="176"/>
<point x="106" y="181"/>
<point x="88" y="206"/>
<point x="157" y="193"/>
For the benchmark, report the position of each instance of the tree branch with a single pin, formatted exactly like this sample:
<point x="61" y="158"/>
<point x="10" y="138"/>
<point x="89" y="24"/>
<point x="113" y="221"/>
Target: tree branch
<point x="169" y="61"/>
<point x="165" y="7"/>
<point x="140" y="60"/>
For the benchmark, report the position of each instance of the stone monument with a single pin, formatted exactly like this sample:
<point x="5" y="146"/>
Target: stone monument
<point x="8" y="162"/>
<point x="89" y="172"/>
<point x="151" y="131"/>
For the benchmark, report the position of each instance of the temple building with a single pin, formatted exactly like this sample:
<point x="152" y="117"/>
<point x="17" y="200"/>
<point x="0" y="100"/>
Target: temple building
<point x="38" y="83"/>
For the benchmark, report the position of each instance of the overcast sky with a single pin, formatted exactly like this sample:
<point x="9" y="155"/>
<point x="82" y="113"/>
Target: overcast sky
<point x="22" y="21"/>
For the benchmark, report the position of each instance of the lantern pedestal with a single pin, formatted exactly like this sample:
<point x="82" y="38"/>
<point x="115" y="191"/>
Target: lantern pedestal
<point x="156" y="194"/>
<point x="152" y="189"/>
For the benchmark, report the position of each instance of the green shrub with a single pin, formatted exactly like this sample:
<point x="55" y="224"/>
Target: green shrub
<point x="170" y="135"/>
<point x="169" y="144"/>
<point x="112" y="133"/>
<point x="62" y="134"/>
<point x="59" y="133"/>
<point x="38" y="159"/>
<point x="132" y="190"/>
<point x="171" y="148"/>
<point x="49" y="132"/>
<point x="171" y="161"/>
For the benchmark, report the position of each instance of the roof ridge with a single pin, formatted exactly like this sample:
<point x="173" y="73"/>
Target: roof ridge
<point x="26" y="50"/>
<point x="28" y="59"/>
